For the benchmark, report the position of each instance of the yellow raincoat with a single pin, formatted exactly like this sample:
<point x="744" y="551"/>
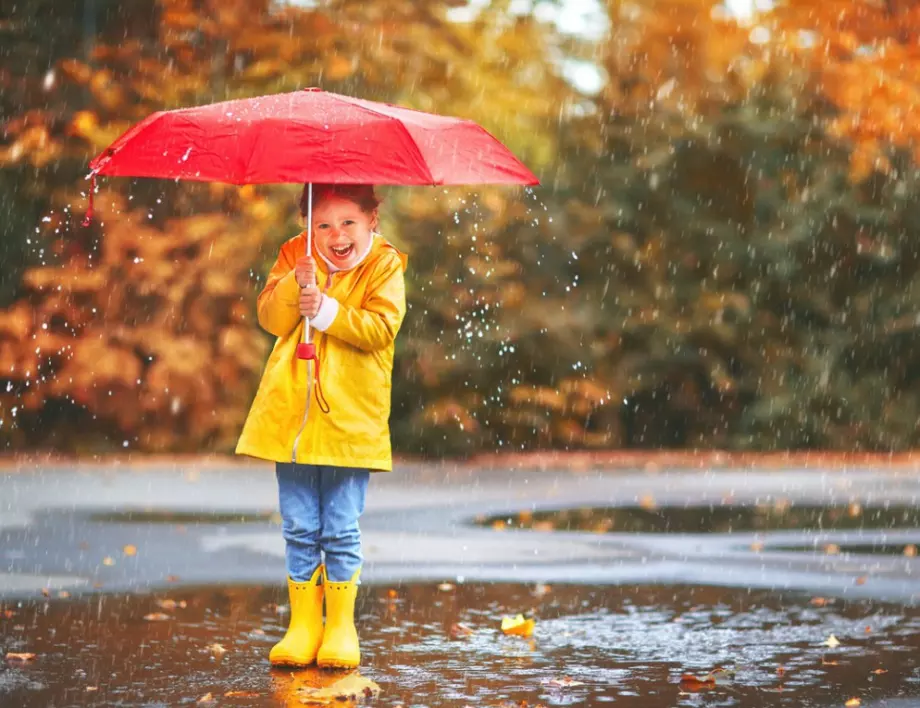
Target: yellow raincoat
<point x="356" y="363"/>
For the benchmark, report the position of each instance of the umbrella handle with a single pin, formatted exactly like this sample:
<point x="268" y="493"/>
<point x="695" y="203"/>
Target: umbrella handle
<point x="306" y="349"/>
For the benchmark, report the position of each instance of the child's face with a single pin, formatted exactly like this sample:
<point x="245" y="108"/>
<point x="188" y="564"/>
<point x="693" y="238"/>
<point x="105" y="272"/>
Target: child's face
<point x="342" y="230"/>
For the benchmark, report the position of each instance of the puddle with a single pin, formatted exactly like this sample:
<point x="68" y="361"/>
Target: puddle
<point x="711" y="519"/>
<point x="908" y="550"/>
<point x="154" y="516"/>
<point x="426" y="645"/>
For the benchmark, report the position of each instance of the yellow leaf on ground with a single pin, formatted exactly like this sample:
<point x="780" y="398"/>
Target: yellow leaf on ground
<point x="108" y="560"/>
<point x="518" y="626"/>
<point x="852" y="703"/>
<point x="352" y="687"/>
<point x="832" y="642"/>
<point x="877" y="672"/>
<point x="206" y="698"/>
<point x="218" y="649"/>
<point x="156" y="617"/>
<point x="130" y="550"/>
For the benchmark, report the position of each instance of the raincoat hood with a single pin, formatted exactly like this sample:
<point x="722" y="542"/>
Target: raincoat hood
<point x="355" y="350"/>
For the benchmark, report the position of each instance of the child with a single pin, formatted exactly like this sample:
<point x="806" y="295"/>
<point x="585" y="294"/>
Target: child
<point x="351" y="289"/>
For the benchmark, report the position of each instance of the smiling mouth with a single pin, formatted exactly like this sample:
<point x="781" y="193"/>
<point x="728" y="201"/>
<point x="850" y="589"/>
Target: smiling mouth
<point x="343" y="251"/>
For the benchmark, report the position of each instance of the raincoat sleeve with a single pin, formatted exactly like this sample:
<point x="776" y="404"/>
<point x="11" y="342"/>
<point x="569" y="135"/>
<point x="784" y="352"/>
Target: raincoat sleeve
<point x="279" y="302"/>
<point x="374" y="325"/>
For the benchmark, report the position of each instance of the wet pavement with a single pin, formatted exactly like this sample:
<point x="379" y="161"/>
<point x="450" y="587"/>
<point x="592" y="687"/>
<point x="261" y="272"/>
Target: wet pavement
<point x="426" y="645"/>
<point x="653" y="574"/>
<point x="67" y="528"/>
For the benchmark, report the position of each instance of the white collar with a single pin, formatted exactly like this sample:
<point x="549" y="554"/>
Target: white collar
<point x="370" y="244"/>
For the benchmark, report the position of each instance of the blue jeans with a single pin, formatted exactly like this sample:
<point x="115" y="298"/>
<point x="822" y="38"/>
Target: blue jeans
<point x="320" y="507"/>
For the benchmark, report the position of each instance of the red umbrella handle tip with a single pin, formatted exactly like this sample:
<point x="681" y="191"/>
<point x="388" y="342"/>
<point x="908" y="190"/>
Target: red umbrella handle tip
<point x="306" y="351"/>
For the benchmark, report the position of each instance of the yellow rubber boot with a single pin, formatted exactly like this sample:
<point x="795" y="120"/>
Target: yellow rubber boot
<point x="305" y="632"/>
<point x="340" y="648"/>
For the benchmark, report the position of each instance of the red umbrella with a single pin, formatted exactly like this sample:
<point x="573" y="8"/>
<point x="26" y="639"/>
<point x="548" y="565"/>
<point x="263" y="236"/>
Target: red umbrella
<point x="311" y="136"/>
<point x="305" y="137"/>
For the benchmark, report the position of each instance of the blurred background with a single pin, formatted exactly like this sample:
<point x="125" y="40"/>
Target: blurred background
<point x="723" y="253"/>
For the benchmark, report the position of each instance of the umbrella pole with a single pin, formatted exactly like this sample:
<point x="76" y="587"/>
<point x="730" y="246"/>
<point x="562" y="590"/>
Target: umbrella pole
<point x="306" y="322"/>
<point x="305" y="349"/>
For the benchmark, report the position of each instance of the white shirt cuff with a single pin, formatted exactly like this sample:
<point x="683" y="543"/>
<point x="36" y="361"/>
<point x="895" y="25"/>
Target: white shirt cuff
<point x="328" y="309"/>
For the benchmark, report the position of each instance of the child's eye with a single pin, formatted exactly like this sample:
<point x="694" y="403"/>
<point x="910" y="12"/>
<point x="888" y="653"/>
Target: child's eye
<point x="348" y="222"/>
<point x="322" y="226"/>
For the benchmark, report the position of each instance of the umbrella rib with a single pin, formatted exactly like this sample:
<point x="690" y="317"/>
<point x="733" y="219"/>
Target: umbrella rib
<point x="421" y="158"/>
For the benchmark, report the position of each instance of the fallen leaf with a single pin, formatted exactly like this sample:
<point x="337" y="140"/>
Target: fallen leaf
<point x="259" y="632"/>
<point x="757" y="546"/>
<point x="392" y="594"/>
<point x="832" y="642"/>
<point x="855" y="510"/>
<point x="832" y="549"/>
<point x="445" y="587"/>
<point x="19" y="657"/>
<point x="8" y="614"/>
<point x="130" y="550"/>
<point x="352" y="687"/>
<point x="824" y="662"/>
<point x="820" y="601"/>
<point x="172" y="578"/>
<point x="542" y="526"/>
<point x="540" y="589"/>
<point x="910" y="550"/>
<point x="518" y="626"/>
<point x="46" y="592"/>
<point x="218" y="649"/>
<point x="647" y="501"/>
<point x="241" y="694"/>
<point x="868" y="629"/>
<point x="63" y="594"/>
<point x="861" y="580"/>
<point x="459" y="629"/>
<point x="156" y="617"/>
<point x="499" y="525"/>
<point x="852" y="703"/>
<point x="689" y="682"/>
<point x="206" y="698"/>
<point x="168" y="604"/>
<point x="878" y="672"/>
<point x="90" y="689"/>
<point x="108" y="560"/>
<point x="564" y="682"/>
<point x="780" y="670"/>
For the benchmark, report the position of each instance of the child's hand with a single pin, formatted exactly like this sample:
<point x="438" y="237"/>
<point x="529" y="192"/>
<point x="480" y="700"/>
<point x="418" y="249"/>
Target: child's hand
<point x="305" y="271"/>
<point x="310" y="300"/>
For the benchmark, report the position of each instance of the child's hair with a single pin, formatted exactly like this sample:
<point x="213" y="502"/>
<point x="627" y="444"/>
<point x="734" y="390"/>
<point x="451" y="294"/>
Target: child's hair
<point x="361" y="194"/>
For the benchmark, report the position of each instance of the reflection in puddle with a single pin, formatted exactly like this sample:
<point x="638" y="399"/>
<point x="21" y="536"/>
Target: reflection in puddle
<point x="427" y="645"/>
<point x="166" y="516"/>
<point x="711" y="519"/>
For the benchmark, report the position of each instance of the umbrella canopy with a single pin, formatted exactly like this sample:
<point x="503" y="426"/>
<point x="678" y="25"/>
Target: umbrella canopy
<point x="311" y="136"/>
